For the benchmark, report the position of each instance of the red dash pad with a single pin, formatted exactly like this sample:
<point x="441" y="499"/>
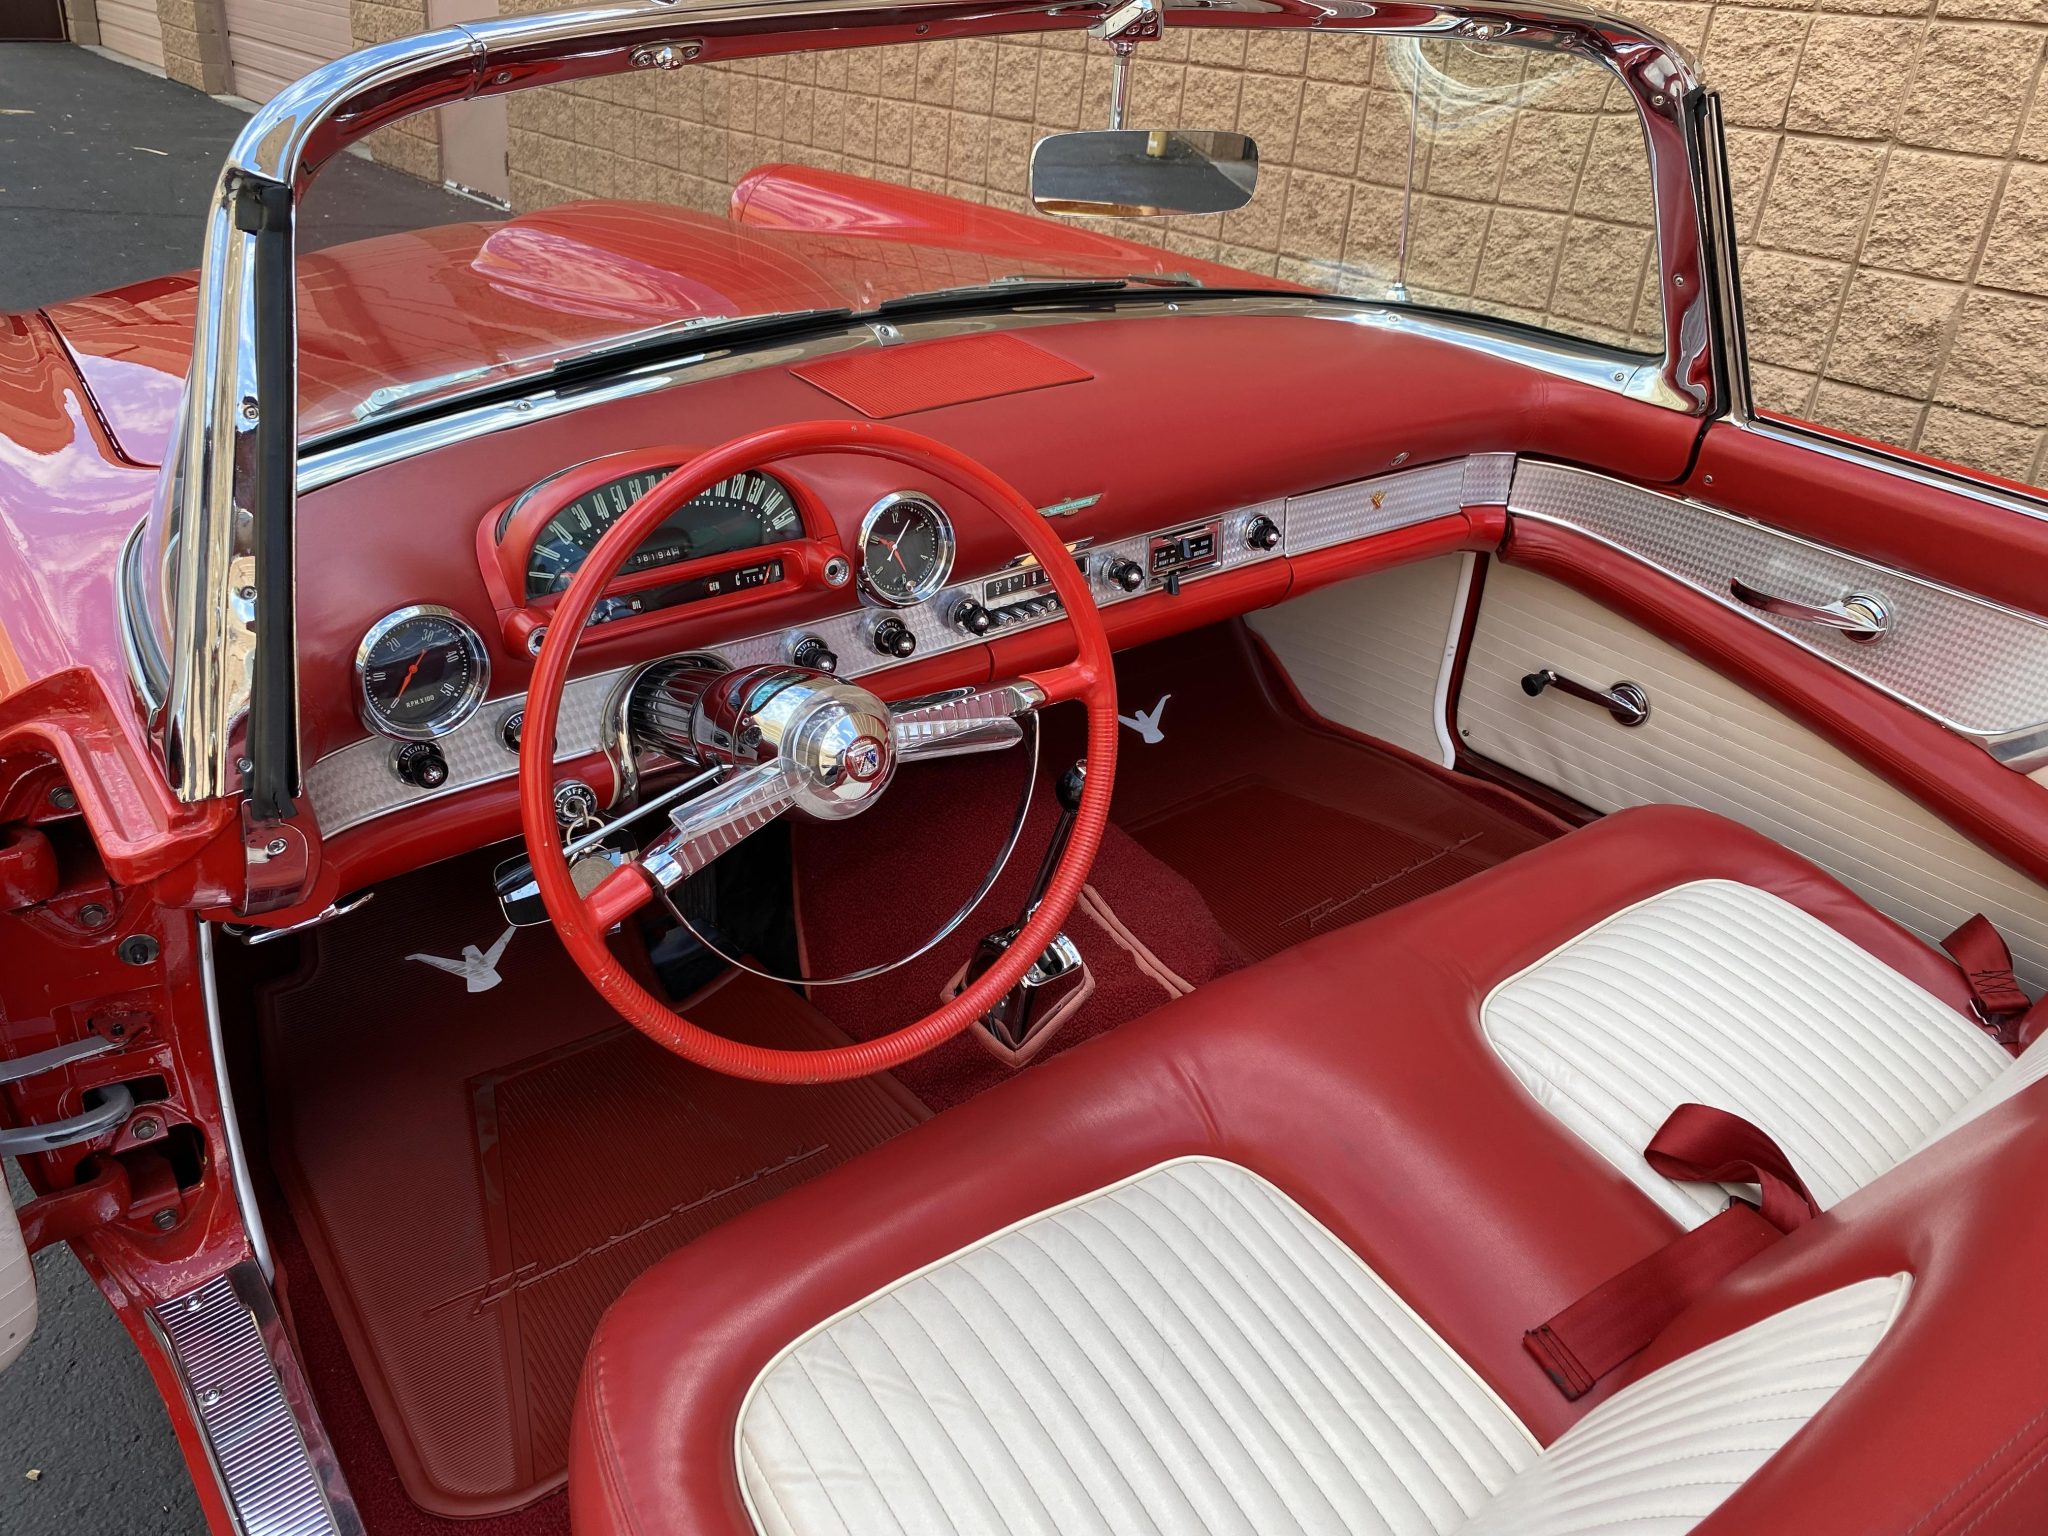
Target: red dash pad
<point x="897" y="381"/>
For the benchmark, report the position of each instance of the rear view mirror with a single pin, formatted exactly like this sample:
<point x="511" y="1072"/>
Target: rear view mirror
<point x="1131" y="172"/>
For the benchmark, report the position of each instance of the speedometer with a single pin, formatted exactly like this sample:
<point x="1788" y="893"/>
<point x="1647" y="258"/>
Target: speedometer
<point x="744" y="512"/>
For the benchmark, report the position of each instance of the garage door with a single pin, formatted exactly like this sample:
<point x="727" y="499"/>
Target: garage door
<point x="273" y="42"/>
<point x="129" y="28"/>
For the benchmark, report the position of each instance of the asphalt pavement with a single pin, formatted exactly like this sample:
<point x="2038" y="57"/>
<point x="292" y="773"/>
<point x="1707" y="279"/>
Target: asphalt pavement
<point x="105" y="172"/>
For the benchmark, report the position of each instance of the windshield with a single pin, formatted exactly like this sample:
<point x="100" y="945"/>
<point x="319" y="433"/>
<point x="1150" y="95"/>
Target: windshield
<point x="1481" y="178"/>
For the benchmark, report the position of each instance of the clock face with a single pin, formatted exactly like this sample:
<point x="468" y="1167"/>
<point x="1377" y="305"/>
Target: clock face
<point x="906" y="550"/>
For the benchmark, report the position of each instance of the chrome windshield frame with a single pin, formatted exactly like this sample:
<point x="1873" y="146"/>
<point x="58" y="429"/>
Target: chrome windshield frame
<point x="222" y="526"/>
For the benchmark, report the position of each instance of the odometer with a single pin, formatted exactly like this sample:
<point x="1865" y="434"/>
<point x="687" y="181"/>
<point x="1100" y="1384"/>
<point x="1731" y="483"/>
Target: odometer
<point x="420" y="672"/>
<point x="744" y="512"/>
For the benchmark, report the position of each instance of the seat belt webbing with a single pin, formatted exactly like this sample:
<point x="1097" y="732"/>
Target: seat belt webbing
<point x="1618" y="1318"/>
<point x="1980" y="953"/>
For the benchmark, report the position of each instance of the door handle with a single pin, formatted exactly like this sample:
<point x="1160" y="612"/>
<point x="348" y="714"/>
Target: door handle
<point x="1859" y="616"/>
<point x="115" y="1105"/>
<point x="1625" y="701"/>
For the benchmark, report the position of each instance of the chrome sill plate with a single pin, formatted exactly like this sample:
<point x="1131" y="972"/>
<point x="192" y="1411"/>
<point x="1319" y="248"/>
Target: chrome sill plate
<point x="220" y="1338"/>
<point x="356" y="784"/>
<point x="1974" y="666"/>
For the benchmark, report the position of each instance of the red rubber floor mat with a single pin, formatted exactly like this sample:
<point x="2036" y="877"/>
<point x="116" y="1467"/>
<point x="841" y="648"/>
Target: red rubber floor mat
<point x="478" y="1175"/>
<point x="1290" y="827"/>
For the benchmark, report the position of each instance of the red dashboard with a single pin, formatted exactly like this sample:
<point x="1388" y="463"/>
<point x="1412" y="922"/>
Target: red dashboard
<point x="1170" y="425"/>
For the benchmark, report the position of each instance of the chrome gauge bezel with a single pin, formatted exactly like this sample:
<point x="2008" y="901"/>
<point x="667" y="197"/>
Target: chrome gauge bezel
<point x="946" y="544"/>
<point x="458" y="711"/>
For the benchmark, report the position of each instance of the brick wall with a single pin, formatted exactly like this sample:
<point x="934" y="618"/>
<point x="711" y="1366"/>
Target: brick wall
<point x="1890" y="163"/>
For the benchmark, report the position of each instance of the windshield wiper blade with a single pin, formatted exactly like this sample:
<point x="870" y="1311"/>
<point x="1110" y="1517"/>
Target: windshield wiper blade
<point x="663" y="338"/>
<point x="1024" y="285"/>
<point x="393" y="397"/>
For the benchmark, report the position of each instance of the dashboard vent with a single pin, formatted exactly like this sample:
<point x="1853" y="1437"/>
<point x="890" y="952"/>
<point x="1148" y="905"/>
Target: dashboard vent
<point x="899" y="381"/>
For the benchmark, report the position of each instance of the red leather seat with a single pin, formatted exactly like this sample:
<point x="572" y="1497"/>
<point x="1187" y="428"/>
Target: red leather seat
<point x="1352" y="1074"/>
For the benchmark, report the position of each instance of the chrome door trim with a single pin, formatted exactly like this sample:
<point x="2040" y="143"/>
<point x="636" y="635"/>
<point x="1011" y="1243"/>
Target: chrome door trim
<point x="209" y="511"/>
<point x="230" y="1123"/>
<point x="1929" y="619"/>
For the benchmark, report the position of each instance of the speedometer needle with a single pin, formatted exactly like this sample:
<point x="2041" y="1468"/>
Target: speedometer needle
<point x="413" y="671"/>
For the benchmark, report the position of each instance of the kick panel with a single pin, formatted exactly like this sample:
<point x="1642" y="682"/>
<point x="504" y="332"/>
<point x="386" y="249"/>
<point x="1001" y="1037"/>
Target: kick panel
<point x="1711" y="743"/>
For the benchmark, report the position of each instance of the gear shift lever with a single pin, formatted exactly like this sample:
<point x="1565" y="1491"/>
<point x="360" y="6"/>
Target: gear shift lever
<point x="1054" y="987"/>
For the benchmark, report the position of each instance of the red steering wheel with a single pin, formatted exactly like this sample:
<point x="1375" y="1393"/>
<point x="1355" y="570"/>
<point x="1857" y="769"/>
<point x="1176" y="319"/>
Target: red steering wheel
<point x="811" y="742"/>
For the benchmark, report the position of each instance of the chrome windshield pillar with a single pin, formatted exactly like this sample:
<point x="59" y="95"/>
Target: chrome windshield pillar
<point x="222" y="534"/>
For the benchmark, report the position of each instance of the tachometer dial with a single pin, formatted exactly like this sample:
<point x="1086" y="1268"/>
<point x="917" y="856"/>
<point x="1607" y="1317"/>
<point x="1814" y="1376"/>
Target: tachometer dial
<point x="420" y="672"/>
<point x="906" y="549"/>
<point x="744" y="512"/>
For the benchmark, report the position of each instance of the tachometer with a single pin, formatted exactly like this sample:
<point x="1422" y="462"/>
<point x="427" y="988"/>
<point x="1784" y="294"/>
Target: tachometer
<point x="744" y="512"/>
<point x="420" y="672"/>
<point x="906" y="549"/>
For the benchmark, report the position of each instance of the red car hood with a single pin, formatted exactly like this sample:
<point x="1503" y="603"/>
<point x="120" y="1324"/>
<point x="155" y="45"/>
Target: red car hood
<point x="404" y="308"/>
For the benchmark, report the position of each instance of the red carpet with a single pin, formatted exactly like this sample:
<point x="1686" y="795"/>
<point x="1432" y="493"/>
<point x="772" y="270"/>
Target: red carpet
<point x="879" y="884"/>
<point x="1289" y="827"/>
<point x="478" y="1175"/>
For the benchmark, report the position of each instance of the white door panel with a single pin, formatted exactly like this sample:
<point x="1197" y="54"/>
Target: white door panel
<point x="17" y="1286"/>
<point x="1372" y="653"/>
<point x="1709" y="742"/>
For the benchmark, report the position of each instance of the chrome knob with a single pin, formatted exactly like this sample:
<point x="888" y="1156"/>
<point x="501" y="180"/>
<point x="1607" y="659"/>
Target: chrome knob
<point x="812" y="651"/>
<point x="421" y="765"/>
<point x="892" y="637"/>
<point x="1127" y="574"/>
<point x="970" y="617"/>
<point x="1262" y="533"/>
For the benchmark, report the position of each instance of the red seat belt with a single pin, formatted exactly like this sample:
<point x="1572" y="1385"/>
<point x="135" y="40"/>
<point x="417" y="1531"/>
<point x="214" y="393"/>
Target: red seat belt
<point x="2005" y="1009"/>
<point x="1618" y="1318"/>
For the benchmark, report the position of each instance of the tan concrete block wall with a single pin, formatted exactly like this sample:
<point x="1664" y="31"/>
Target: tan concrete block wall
<point x="1889" y="157"/>
<point x="413" y="144"/>
<point x="195" y="43"/>
<point x="1891" y="180"/>
<point x="1542" y="214"/>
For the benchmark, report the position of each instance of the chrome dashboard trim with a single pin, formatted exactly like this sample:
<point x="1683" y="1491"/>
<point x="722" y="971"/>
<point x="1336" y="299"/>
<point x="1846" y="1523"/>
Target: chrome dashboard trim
<point x="1974" y="666"/>
<point x="354" y="784"/>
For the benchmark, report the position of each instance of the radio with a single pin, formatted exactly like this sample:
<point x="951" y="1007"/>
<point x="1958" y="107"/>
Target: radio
<point x="1014" y="596"/>
<point x="1185" y="550"/>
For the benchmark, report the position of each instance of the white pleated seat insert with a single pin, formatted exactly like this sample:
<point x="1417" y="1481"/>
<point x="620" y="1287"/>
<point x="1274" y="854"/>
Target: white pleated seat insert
<point x="1661" y="1454"/>
<point x="1719" y="993"/>
<point x="1185" y="1352"/>
<point x="1189" y="1353"/>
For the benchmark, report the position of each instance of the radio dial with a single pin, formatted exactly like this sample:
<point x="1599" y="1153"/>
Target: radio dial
<point x="970" y="617"/>
<point x="892" y="637"/>
<point x="1127" y="574"/>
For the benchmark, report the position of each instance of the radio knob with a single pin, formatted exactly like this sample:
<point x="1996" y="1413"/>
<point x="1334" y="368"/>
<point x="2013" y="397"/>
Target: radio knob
<point x="421" y="765"/>
<point x="893" y="638"/>
<point x="1127" y="574"/>
<point x="970" y="616"/>
<point x="1262" y="533"/>
<point x="811" y="651"/>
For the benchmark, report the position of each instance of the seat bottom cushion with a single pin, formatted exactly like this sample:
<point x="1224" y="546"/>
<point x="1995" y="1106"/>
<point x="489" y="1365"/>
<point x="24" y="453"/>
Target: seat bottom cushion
<point x="1189" y="1351"/>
